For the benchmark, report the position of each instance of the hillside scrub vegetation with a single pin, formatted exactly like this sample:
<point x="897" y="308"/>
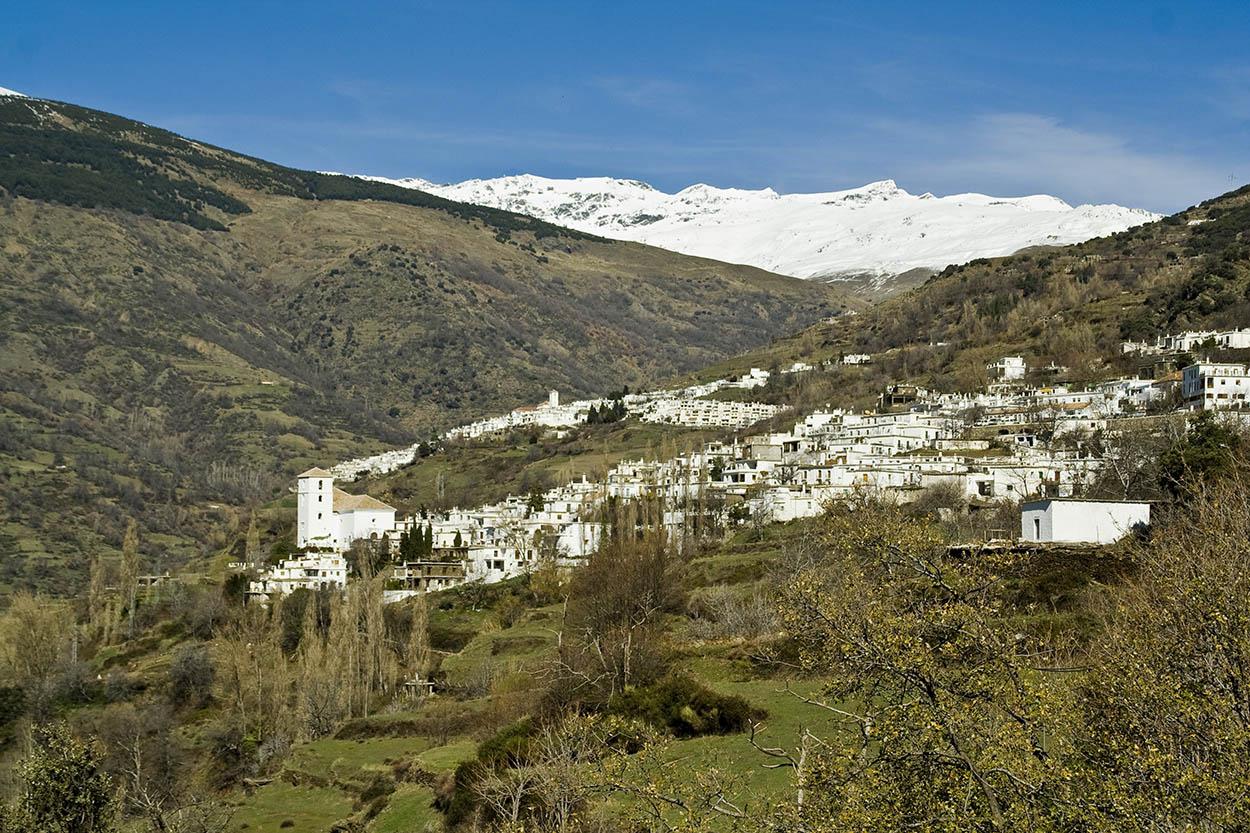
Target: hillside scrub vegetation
<point x="871" y="676"/>
<point x="184" y="328"/>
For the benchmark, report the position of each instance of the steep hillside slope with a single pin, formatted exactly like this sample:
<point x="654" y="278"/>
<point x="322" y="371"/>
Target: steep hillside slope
<point x="1069" y="307"/>
<point x="868" y="234"/>
<point x="182" y="327"/>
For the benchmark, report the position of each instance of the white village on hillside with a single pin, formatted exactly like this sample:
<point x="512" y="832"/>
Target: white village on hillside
<point x="1011" y="442"/>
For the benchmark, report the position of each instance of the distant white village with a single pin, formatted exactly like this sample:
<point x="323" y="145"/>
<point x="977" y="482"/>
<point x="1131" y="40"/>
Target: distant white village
<point x="1029" y="452"/>
<point x="685" y="406"/>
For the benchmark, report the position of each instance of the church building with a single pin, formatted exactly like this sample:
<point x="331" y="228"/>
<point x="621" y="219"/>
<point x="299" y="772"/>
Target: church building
<point x="329" y="518"/>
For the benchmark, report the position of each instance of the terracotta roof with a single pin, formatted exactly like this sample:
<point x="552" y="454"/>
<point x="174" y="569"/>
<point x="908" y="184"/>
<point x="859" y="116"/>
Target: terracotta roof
<point x="315" y="472"/>
<point x="344" y="502"/>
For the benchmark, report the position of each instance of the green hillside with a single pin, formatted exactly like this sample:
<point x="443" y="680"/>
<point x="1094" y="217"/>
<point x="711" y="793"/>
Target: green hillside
<point x="182" y="328"/>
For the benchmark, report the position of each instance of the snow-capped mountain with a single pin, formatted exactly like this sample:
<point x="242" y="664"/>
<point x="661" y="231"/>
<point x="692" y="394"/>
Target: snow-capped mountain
<point x="14" y="93"/>
<point x="878" y="229"/>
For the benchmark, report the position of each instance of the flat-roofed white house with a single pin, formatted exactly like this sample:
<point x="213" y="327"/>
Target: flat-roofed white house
<point x="311" y="571"/>
<point x="1008" y="368"/>
<point x="1212" y="385"/>
<point x="1077" y="521"/>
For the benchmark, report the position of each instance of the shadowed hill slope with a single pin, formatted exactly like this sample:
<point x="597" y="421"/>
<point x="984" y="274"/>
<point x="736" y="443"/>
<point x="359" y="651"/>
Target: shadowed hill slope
<point x="181" y="328"/>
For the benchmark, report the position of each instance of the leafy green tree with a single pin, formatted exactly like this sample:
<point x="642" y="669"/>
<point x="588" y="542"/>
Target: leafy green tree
<point x="64" y="788"/>
<point x="1166" y="707"/>
<point x="943" y="715"/>
<point x="1208" y="451"/>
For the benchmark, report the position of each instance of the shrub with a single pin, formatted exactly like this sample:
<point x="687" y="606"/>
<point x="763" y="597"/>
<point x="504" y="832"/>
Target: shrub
<point x="721" y="612"/>
<point x="508" y="747"/>
<point x="382" y="785"/>
<point x="232" y="755"/>
<point x="64" y="787"/>
<point x="510" y="611"/>
<point x="686" y="708"/>
<point x="12" y="705"/>
<point x="191" y="675"/>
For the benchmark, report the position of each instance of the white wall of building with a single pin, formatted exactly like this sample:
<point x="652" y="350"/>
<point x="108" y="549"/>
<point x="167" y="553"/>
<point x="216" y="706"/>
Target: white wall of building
<point x="312" y="572"/>
<point x="1081" y="521"/>
<point x="1212" y="385"/>
<point x="366" y="523"/>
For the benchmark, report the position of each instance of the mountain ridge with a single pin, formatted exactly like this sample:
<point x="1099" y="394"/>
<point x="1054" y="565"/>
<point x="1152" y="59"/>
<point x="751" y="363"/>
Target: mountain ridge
<point x="878" y="230"/>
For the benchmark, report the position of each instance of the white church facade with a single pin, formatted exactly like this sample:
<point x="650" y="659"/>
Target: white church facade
<point x="330" y="519"/>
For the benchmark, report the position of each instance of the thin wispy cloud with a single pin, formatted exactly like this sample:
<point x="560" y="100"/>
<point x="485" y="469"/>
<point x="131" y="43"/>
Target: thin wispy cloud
<point x="363" y="92"/>
<point x="645" y="93"/>
<point x="1022" y="153"/>
<point x="1231" y="91"/>
<point x="1091" y="166"/>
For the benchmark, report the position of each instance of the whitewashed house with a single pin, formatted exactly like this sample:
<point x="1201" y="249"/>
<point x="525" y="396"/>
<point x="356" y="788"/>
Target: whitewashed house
<point x="1192" y="340"/>
<point x="1008" y="368"/>
<point x="1074" y="521"/>
<point x="312" y="571"/>
<point x="1214" y="385"/>
<point x="702" y="413"/>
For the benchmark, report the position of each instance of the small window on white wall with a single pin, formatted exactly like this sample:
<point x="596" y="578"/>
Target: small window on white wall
<point x="1037" y="529"/>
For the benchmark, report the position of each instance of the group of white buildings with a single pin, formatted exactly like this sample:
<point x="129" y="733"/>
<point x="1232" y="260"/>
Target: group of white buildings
<point x="776" y="476"/>
<point x="1209" y="386"/>
<point x="1205" y="385"/>
<point x="550" y="414"/>
<point x="488" y="543"/>
<point x="1187" y="342"/>
<point x="706" y="413"/>
<point x="687" y="407"/>
<point x="999" y="444"/>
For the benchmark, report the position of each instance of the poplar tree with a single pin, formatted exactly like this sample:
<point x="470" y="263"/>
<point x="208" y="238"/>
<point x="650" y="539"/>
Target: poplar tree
<point x="417" y="655"/>
<point x="102" y="607"/>
<point x="252" y="554"/>
<point x="129" y="583"/>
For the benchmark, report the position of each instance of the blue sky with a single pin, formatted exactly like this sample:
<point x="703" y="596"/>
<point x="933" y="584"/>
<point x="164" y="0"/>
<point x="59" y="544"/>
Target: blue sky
<point x="1145" y="104"/>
